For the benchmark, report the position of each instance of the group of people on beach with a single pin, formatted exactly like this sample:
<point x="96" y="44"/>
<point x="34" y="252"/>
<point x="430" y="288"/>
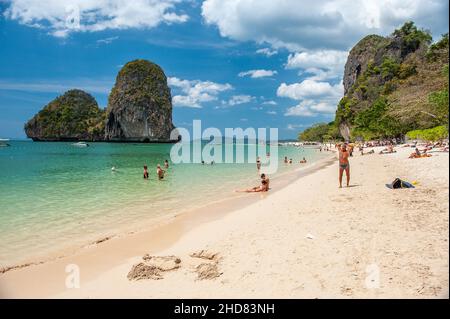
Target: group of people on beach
<point x="345" y="151"/>
<point x="289" y="161"/>
<point x="429" y="147"/>
<point x="159" y="171"/>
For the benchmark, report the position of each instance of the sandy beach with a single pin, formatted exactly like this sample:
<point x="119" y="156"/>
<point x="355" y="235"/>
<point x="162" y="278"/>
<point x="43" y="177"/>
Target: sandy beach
<point x="307" y="240"/>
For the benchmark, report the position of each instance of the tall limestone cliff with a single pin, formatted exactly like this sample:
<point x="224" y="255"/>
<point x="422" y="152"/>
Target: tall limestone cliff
<point x="72" y="116"/>
<point x="140" y="105"/>
<point x="394" y="84"/>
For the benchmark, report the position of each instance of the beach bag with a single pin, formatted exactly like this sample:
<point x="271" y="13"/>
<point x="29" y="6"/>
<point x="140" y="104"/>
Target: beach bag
<point x="398" y="183"/>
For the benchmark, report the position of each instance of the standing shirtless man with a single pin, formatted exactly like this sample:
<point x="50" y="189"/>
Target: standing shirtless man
<point x="344" y="165"/>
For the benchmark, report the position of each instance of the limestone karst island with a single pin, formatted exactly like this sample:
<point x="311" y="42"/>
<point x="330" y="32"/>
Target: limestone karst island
<point x="139" y="110"/>
<point x="211" y="149"/>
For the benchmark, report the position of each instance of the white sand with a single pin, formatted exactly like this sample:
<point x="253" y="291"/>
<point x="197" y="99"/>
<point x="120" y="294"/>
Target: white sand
<point x="309" y="240"/>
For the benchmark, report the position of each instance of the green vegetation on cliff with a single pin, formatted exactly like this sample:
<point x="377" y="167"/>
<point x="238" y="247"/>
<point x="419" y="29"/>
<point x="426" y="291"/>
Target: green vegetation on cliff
<point x="140" y="104"/>
<point x="145" y="80"/>
<point x="74" y="115"/>
<point x="395" y="85"/>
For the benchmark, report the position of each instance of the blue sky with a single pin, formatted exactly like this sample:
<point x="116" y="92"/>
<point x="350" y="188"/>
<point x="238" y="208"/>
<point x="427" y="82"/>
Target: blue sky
<point x="236" y="63"/>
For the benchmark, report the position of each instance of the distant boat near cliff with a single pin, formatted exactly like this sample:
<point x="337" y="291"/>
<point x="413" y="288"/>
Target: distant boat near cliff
<point x="80" y="144"/>
<point x="3" y="142"/>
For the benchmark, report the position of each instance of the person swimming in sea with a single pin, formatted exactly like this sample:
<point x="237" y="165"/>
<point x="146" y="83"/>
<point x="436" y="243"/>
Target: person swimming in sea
<point x="344" y="164"/>
<point x="258" y="164"/>
<point x="145" y="172"/>
<point x="290" y="161"/>
<point x="166" y="164"/>
<point x="285" y="160"/>
<point x="303" y="161"/>
<point x="160" y="172"/>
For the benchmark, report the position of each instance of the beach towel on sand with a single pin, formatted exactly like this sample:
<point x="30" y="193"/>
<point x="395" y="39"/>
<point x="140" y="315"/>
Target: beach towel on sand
<point x="398" y="183"/>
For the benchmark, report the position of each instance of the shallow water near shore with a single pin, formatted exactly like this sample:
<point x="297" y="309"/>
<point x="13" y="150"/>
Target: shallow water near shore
<point x="54" y="195"/>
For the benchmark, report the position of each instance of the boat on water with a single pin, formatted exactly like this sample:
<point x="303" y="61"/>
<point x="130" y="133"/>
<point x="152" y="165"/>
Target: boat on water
<point x="80" y="144"/>
<point x="315" y="145"/>
<point x="4" y="142"/>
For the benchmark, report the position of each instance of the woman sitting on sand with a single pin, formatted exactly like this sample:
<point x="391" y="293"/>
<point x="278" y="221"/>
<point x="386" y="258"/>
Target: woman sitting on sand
<point x="264" y="187"/>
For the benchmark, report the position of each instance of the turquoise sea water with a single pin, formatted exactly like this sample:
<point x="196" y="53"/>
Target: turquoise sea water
<point x="54" y="194"/>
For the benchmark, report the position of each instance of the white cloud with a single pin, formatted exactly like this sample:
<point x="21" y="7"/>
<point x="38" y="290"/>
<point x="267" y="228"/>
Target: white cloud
<point x="315" y="97"/>
<point x="299" y="110"/>
<point x="267" y="52"/>
<point x="106" y="40"/>
<point x="271" y="112"/>
<point x="310" y="89"/>
<point x="308" y="108"/>
<point x="293" y="127"/>
<point x="333" y="24"/>
<point x="269" y="103"/>
<point x="196" y="92"/>
<point x="61" y="17"/>
<point x="257" y="73"/>
<point x="320" y="64"/>
<point x="240" y="99"/>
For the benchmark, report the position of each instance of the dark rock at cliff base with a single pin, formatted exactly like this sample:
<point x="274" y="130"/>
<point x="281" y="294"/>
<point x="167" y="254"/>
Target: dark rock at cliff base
<point x="140" y="105"/>
<point x="72" y="116"/>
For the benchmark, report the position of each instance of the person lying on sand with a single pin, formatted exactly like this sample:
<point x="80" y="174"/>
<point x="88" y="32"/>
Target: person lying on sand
<point x="344" y="164"/>
<point x="417" y="154"/>
<point x="160" y="172"/>
<point x="388" y="150"/>
<point x="264" y="187"/>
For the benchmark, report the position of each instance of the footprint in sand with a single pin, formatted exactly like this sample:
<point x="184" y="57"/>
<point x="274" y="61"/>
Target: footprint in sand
<point x="207" y="270"/>
<point x="152" y="267"/>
